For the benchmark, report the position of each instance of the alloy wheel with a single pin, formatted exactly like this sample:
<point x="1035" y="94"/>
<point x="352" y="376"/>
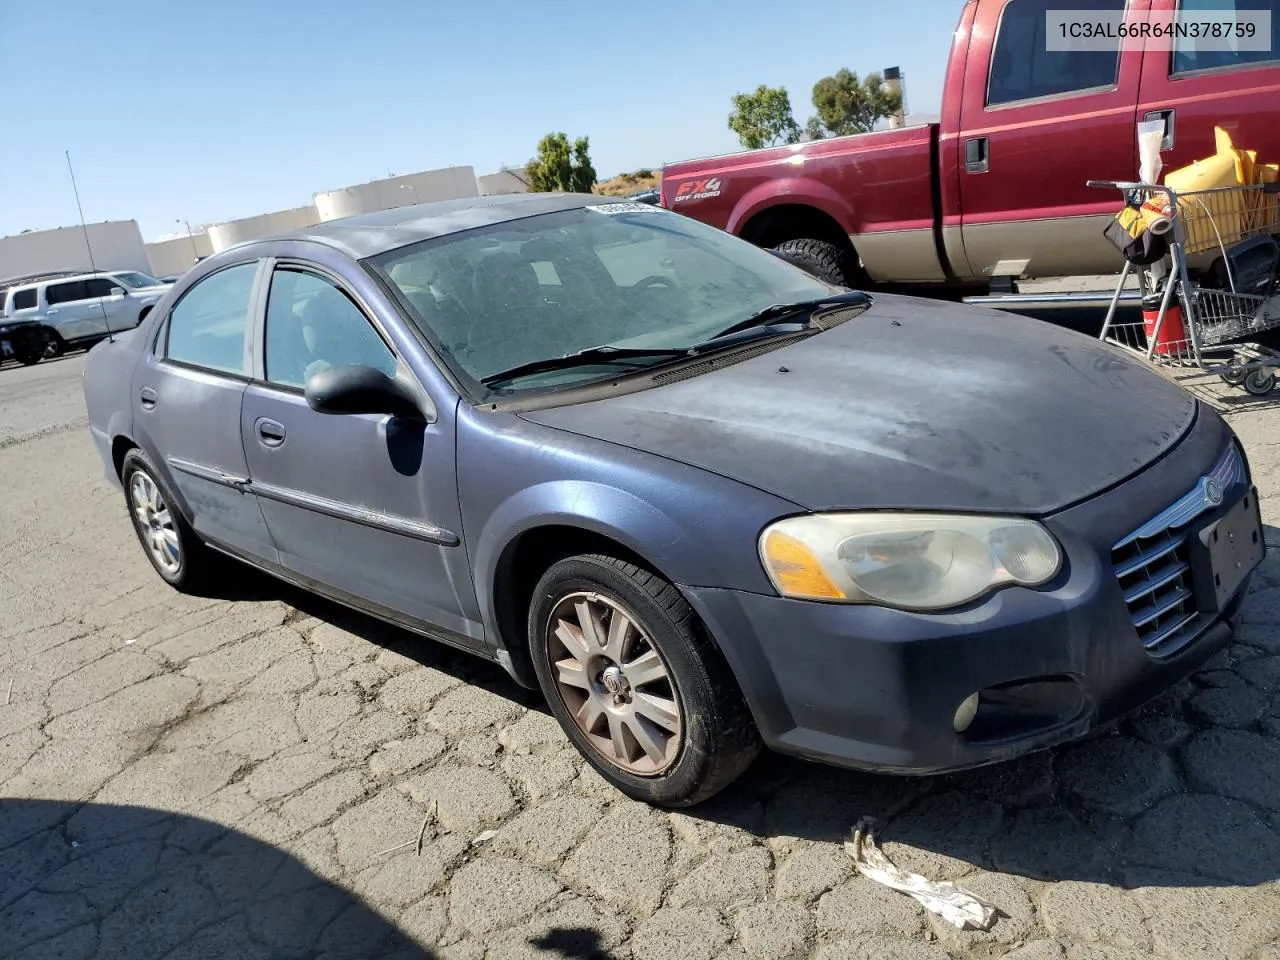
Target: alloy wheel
<point x="155" y="523"/>
<point x="615" y="683"/>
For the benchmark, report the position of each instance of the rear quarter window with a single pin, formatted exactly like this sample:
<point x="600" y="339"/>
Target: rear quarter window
<point x="23" y="299"/>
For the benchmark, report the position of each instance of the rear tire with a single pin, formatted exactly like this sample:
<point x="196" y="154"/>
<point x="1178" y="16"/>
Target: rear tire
<point x="824" y="260"/>
<point x="174" y="550"/>
<point x="54" y="345"/>
<point x="641" y="691"/>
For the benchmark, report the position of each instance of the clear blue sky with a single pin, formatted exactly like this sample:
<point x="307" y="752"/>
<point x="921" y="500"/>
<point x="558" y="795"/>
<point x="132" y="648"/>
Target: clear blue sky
<point x="213" y="110"/>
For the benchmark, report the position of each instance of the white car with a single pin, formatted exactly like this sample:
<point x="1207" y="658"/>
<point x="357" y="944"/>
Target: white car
<point x="82" y="308"/>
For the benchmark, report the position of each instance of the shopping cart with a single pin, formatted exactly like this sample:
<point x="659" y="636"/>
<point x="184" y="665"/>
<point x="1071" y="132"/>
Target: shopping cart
<point x="1206" y="318"/>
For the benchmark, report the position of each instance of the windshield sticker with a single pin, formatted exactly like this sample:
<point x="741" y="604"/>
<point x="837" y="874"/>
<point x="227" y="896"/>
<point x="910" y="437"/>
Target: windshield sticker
<point x="697" y="190"/>
<point x="626" y="207"/>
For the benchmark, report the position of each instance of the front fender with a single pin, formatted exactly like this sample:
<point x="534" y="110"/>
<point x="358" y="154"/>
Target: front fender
<point x="792" y="190"/>
<point x="592" y="507"/>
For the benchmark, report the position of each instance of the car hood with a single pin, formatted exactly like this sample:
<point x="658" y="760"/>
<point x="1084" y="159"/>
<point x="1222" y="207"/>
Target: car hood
<point x="914" y="404"/>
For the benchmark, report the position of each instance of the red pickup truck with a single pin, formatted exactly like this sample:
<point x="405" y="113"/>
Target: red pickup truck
<point x="996" y="189"/>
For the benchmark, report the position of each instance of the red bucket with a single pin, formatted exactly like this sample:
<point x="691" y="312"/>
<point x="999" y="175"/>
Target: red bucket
<point x="1173" y="332"/>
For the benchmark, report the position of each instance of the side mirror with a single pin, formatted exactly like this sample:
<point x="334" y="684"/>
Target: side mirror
<point x="117" y="293"/>
<point x="361" y="389"/>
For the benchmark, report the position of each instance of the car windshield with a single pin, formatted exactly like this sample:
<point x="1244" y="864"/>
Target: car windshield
<point x="625" y="274"/>
<point x="136" y="280"/>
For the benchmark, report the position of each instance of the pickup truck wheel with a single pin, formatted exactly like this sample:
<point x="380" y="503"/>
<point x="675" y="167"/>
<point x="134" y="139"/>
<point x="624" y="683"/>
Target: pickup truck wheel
<point x="636" y="684"/>
<point x="824" y="260"/>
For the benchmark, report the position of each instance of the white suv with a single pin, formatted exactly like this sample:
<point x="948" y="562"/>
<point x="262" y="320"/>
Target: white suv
<point x="81" y="308"/>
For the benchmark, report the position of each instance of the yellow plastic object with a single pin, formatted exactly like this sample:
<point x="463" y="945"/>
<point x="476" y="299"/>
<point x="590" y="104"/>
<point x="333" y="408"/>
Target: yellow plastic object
<point x="1210" y="219"/>
<point x="796" y="571"/>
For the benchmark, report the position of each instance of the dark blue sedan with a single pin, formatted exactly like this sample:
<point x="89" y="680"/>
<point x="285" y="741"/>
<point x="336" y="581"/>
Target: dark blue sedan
<point x="700" y="498"/>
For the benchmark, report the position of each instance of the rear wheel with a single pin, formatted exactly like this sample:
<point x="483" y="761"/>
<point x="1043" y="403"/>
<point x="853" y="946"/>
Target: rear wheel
<point x="636" y="684"/>
<point x="824" y="260"/>
<point x="174" y="550"/>
<point x="53" y="345"/>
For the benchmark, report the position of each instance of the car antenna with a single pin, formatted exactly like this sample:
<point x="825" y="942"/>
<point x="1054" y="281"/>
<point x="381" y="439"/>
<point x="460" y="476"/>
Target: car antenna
<point x="88" y="246"/>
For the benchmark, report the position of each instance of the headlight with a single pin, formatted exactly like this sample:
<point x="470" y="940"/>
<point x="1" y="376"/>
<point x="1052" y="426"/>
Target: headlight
<point x="914" y="561"/>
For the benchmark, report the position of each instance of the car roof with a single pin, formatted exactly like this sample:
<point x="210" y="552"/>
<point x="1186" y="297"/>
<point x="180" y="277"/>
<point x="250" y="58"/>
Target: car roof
<point x="68" y="278"/>
<point x="369" y="234"/>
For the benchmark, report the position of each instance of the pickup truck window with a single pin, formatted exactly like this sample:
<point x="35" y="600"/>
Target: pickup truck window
<point x="1188" y="59"/>
<point x="1022" y="69"/>
<point x="23" y="299"/>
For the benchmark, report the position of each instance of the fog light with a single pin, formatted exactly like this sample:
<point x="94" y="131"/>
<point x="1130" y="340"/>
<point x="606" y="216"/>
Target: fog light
<point x="965" y="713"/>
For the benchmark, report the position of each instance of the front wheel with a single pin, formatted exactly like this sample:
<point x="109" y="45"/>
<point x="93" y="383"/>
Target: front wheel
<point x="636" y="684"/>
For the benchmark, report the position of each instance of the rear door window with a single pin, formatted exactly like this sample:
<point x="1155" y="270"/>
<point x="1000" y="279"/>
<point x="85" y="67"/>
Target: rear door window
<point x="208" y="326"/>
<point x="70" y="292"/>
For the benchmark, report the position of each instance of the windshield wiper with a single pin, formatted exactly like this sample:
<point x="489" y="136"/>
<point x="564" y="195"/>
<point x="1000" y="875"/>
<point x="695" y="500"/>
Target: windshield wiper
<point x="760" y="324"/>
<point x="603" y="354"/>
<point x="768" y="317"/>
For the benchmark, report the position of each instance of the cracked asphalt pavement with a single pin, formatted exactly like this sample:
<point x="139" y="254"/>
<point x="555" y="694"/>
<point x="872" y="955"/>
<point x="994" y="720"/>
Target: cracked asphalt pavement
<point x="263" y="774"/>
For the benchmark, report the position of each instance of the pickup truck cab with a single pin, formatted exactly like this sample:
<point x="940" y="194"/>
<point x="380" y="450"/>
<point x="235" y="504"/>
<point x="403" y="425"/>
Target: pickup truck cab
<point x="996" y="189"/>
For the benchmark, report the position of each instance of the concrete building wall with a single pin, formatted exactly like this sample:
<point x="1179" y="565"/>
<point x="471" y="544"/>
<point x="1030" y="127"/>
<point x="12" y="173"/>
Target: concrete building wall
<point x="223" y="235"/>
<point x="502" y="182"/>
<point x="116" y="245"/>
<point x="448" y="183"/>
<point x="178" y="254"/>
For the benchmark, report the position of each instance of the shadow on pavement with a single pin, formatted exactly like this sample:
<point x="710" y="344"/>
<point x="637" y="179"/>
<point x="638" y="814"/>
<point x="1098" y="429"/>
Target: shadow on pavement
<point x="91" y="880"/>
<point x="133" y="883"/>
<point x="246" y="584"/>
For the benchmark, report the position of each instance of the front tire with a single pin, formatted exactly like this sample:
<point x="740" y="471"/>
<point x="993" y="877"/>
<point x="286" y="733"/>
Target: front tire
<point x="174" y="550"/>
<point x="636" y="684"/>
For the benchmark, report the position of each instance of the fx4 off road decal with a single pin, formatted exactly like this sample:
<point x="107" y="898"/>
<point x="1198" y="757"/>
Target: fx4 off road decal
<point x="697" y="190"/>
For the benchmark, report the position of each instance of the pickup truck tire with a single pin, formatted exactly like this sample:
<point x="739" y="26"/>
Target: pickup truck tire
<point x="824" y="260"/>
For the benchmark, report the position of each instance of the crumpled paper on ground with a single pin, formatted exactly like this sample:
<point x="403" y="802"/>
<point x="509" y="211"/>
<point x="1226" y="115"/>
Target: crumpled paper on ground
<point x="954" y="904"/>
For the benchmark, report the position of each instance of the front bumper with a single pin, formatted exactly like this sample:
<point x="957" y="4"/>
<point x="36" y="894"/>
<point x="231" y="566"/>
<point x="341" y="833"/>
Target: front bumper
<point x="878" y="689"/>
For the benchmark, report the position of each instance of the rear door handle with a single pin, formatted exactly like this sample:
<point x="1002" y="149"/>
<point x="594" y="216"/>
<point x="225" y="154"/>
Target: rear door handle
<point x="148" y="397"/>
<point x="977" y="155"/>
<point x="270" y="433"/>
<point x="1167" y="116"/>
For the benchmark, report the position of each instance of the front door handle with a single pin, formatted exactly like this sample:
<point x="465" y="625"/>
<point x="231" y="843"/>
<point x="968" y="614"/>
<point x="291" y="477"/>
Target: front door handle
<point x="977" y="155"/>
<point x="148" y="397"/>
<point x="1167" y="116"/>
<point x="270" y="433"/>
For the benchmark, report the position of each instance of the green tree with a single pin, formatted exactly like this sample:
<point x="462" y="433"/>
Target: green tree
<point x="846" y="104"/>
<point x="763" y="118"/>
<point x="559" y="167"/>
<point x="813" y="129"/>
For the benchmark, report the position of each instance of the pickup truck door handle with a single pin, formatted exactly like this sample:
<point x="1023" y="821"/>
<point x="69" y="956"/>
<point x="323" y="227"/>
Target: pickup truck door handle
<point x="270" y="433"/>
<point x="148" y="397"/>
<point x="977" y="158"/>
<point x="1167" y="116"/>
